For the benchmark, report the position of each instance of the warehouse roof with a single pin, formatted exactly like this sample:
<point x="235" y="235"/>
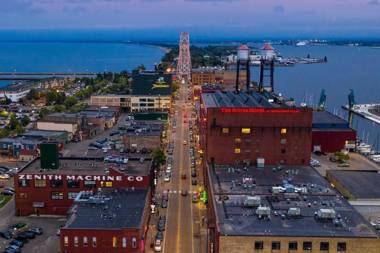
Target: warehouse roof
<point x="113" y="209"/>
<point x="302" y="187"/>
<point x="90" y="166"/>
<point x="252" y="99"/>
<point x="359" y="184"/>
<point x="327" y="120"/>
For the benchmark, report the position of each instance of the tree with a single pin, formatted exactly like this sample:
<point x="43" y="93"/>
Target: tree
<point x="158" y="157"/>
<point x="43" y="111"/>
<point x="19" y="129"/>
<point x="33" y="94"/>
<point x="13" y="122"/>
<point x="25" y="120"/>
<point x="3" y="132"/>
<point x="70" y="101"/>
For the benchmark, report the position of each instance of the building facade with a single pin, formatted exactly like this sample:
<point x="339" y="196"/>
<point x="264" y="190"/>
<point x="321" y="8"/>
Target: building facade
<point x="42" y="191"/>
<point x="240" y="127"/>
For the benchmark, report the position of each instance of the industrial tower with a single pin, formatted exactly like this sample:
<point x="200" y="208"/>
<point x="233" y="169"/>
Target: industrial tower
<point x="184" y="59"/>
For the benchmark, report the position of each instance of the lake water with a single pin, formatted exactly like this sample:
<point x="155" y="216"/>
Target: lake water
<point x="71" y="57"/>
<point x="356" y="68"/>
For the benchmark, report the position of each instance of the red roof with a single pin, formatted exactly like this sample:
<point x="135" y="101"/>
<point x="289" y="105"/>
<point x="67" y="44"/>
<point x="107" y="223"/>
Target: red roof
<point x="267" y="46"/>
<point x="27" y="152"/>
<point x="243" y="47"/>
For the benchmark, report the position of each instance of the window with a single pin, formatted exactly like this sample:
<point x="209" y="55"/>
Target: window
<point x="283" y="130"/>
<point x="276" y="245"/>
<point x="85" y="241"/>
<point x="90" y="184"/>
<point x="76" y="241"/>
<point x="246" y="130"/>
<point x="134" y="242"/>
<point x="73" y="183"/>
<point x="225" y="130"/>
<point x="237" y="140"/>
<point x="324" y="246"/>
<point x="106" y="184"/>
<point x="237" y="150"/>
<point x="57" y="195"/>
<point x="23" y="183"/>
<point x="283" y="151"/>
<point x="94" y="242"/>
<point x="66" y="241"/>
<point x="114" y="242"/>
<point x="56" y="183"/>
<point x="39" y="183"/>
<point x="307" y="245"/>
<point x="124" y="242"/>
<point x="341" y="246"/>
<point x="293" y="245"/>
<point x="283" y="141"/>
<point x="72" y="195"/>
<point x="259" y="245"/>
<point x="23" y="195"/>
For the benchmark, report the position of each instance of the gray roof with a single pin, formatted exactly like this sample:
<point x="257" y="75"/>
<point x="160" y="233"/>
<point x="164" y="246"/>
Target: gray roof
<point x="124" y="209"/>
<point x="241" y="99"/>
<point x="235" y="219"/>
<point x="327" y="120"/>
<point x="360" y="184"/>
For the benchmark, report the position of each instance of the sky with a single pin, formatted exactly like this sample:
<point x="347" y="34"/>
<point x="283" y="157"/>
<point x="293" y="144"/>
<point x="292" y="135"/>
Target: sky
<point x="310" y="18"/>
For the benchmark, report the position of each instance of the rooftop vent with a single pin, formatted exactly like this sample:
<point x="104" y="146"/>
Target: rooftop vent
<point x="252" y="201"/>
<point x="294" y="212"/>
<point x="326" y="214"/>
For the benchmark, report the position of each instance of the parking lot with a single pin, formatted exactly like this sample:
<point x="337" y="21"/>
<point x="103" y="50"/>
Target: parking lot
<point x="47" y="242"/>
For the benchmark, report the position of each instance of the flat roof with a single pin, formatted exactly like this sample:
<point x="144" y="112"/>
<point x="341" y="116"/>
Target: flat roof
<point x="43" y="133"/>
<point x="122" y="208"/>
<point x="232" y="186"/>
<point x="360" y="184"/>
<point x="90" y="166"/>
<point x="327" y="120"/>
<point x="242" y="99"/>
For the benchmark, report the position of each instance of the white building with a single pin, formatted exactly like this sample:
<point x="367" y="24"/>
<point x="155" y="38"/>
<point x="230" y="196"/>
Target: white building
<point x="268" y="52"/>
<point x="14" y="92"/>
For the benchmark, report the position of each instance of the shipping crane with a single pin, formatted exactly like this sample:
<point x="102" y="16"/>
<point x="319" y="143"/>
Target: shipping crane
<point x="322" y="101"/>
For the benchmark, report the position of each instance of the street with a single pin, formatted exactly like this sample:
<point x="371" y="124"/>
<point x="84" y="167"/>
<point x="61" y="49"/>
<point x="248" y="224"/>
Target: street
<point x="184" y="229"/>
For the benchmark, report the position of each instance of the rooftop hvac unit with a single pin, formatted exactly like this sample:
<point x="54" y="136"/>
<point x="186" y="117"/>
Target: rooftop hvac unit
<point x="294" y="211"/>
<point x="252" y="201"/>
<point x="326" y="214"/>
<point x="263" y="211"/>
<point x="260" y="162"/>
<point x="277" y="189"/>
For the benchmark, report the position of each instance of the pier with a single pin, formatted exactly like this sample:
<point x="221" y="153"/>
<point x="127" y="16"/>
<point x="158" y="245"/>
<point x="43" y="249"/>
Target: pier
<point x="25" y="76"/>
<point x="367" y="111"/>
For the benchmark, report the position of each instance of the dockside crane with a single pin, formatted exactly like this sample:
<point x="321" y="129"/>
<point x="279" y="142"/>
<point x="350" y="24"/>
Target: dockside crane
<point x="351" y="103"/>
<point x="322" y="101"/>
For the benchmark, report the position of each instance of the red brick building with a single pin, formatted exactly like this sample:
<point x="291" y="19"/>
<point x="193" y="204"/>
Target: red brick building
<point x="52" y="191"/>
<point x="330" y="133"/>
<point x="112" y="221"/>
<point x="238" y="127"/>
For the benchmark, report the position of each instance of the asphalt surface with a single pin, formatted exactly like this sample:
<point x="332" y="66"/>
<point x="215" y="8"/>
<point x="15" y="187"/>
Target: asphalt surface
<point x="184" y="229"/>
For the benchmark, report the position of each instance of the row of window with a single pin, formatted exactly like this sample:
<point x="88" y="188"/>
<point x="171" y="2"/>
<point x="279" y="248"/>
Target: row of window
<point x="54" y="195"/>
<point x="247" y="130"/>
<point x="85" y="242"/>
<point x="39" y="183"/>
<point x="323" y="246"/>
<point x="238" y="150"/>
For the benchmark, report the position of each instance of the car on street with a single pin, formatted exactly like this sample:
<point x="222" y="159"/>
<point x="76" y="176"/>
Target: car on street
<point x="17" y="243"/>
<point x="160" y="235"/>
<point x="194" y="182"/>
<point x="167" y="177"/>
<point x="184" y="142"/>
<point x="344" y="164"/>
<point x="161" y="225"/>
<point x="164" y="203"/>
<point x="157" y="245"/>
<point x="195" y="198"/>
<point x="184" y="193"/>
<point x="193" y="173"/>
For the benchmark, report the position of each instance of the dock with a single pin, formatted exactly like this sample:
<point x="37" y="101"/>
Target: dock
<point x="367" y="111"/>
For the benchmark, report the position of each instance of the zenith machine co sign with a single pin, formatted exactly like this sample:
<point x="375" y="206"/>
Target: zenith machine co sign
<point x="80" y="178"/>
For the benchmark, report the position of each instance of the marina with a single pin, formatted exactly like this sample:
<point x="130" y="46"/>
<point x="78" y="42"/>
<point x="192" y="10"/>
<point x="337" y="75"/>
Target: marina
<point x="367" y="111"/>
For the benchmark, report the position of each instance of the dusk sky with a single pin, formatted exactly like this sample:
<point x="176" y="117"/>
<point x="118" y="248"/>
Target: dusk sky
<point x="269" y="17"/>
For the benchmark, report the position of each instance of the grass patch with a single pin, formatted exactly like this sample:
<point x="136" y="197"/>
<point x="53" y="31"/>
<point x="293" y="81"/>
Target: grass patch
<point x="4" y="200"/>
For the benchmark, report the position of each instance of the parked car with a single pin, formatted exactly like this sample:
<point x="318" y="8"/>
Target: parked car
<point x="16" y="249"/>
<point x="195" y="198"/>
<point x="164" y="203"/>
<point x="5" y="235"/>
<point x="7" y="193"/>
<point x="184" y="193"/>
<point x="22" y="238"/>
<point x="167" y="177"/>
<point x="160" y="235"/>
<point x="157" y="245"/>
<point x="193" y="173"/>
<point x="161" y="225"/>
<point x="194" y="182"/>
<point x="17" y="243"/>
<point x="28" y="234"/>
<point x="36" y="230"/>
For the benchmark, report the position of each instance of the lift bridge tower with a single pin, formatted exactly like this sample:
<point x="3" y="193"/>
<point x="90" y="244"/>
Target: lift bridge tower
<point x="184" y="59"/>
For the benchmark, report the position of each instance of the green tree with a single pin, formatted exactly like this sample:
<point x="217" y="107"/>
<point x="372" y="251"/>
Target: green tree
<point x="13" y="122"/>
<point x="70" y="101"/>
<point x="3" y="132"/>
<point x="43" y="112"/>
<point x="33" y="94"/>
<point x="19" y="129"/>
<point x="25" y="120"/>
<point x="158" y="157"/>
